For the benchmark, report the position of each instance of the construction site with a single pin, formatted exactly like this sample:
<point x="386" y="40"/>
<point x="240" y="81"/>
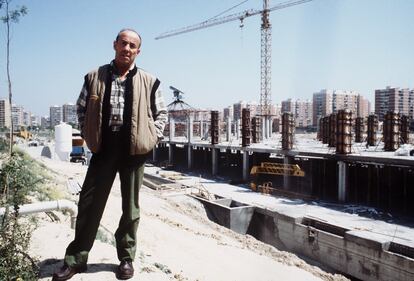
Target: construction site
<point x="352" y="165"/>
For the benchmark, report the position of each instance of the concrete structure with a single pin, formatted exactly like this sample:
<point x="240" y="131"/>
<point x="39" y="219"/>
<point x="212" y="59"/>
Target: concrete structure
<point x="5" y="113"/>
<point x="55" y="115"/>
<point x="69" y="113"/>
<point x="393" y="99"/>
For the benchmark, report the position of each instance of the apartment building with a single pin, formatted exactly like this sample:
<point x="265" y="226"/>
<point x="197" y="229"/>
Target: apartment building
<point x="17" y="116"/>
<point x="393" y="99"/>
<point x="321" y="105"/>
<point x="69" y="113"/>
<point x="4" y="113"/>
<point x="55" y="115"/>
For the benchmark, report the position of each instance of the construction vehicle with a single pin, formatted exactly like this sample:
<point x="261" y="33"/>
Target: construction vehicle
<point x="23" y="133"/>
<point x="273" y="169"/>
<point x="78" y="153"/>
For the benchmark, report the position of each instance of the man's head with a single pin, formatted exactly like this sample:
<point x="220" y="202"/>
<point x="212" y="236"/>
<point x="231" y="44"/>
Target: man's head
<point x="127" y="46"/>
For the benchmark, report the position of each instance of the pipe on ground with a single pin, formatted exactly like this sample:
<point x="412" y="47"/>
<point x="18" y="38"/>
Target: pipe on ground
<point x="49" y="206"/>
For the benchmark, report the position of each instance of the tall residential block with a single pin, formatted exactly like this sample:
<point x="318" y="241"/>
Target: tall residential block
<point x="237" y="110"/>
<point x="17" y="116"/>
<point x="393" y="99"/>
<point x="4" y="113"/>
<point x="55" y="115"/>
<point x="322" y="105"/>
<point x="303" y="113"/>
<point x="288" y="106"/>
<point x="69" y="113"/>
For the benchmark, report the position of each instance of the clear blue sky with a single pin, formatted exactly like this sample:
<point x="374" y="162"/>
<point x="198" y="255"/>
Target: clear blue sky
<point x="357" y="45"/>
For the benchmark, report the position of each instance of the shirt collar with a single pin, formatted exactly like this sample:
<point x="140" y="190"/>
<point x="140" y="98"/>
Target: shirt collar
<point x="132" y="70"/>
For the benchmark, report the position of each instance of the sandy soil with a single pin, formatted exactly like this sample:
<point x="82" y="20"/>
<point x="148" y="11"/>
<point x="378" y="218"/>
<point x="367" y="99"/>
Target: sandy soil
<point x="176" y="241"/>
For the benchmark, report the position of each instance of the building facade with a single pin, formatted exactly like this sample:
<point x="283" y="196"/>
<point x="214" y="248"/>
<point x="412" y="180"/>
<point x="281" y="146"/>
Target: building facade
<point x="55" y="115"/>
<point x="322" y="105"/>
<point x="17" y="116"/>
<point x="393" y="99"/>
<point x="5" y="113"/>
<point x="69" y="113"/>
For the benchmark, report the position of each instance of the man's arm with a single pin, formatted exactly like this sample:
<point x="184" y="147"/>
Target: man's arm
<point x="159" y="113"/>
<point x="81" y="106"/>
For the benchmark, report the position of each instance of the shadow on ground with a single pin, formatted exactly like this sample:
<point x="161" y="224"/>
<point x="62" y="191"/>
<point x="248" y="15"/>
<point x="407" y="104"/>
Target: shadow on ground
<point x="48" y="266"/>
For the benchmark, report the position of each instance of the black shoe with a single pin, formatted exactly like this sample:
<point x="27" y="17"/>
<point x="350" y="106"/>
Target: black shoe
<point x="125" y="270"/>
<point x="66" y="272"/>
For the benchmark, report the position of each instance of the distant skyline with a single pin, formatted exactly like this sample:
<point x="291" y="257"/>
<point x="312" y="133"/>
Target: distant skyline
<point x="358" y="45"/>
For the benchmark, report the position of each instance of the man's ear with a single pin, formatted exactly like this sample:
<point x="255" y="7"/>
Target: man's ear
<point x="114" y="44"/>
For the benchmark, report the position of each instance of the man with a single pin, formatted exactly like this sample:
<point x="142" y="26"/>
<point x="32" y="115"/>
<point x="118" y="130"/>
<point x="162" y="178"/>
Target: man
<point x="122" y="116"/>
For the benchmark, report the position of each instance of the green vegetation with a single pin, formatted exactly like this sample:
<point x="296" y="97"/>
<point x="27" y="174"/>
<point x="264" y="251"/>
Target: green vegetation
<point x="21" y="178"/>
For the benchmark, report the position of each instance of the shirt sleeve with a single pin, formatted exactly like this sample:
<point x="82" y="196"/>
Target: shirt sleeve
<point x="81" y="106"/>
<point x="159" y="113"/>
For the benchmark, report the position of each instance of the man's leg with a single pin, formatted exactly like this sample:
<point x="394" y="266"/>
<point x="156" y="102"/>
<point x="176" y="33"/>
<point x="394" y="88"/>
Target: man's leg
<point x="92" y="200"/>
<point x="131" y="180"/>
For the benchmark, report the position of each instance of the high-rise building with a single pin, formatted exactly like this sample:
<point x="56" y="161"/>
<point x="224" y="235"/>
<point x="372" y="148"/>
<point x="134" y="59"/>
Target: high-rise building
<point x="253" y="108"/>
<point x="322" y="105"/>
<point x="288" y="106"/>
<point x="55" y="116"/>
<point x="17" y="116"/>
<point x="27" y="118"/>
<point x="393" y="99"/>
<point x="345" y="100"/>
<point x="303" y="113"/>
<point x="237" y="110"/>
<point x="35" y="121"/>
<point x="4" y="113"/>
<point x="228" y="112"/>
<point x="45" y="122"/>
<point x="364" y="107"/>
<point x="69" y="113"/>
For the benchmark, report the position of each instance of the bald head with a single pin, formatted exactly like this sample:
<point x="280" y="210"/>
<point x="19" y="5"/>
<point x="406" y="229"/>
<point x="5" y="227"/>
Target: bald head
<point x="129" y="30"/>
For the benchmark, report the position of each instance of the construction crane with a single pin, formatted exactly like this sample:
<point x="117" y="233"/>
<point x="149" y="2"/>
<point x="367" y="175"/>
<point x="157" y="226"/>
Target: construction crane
<point x="266" y="48"/>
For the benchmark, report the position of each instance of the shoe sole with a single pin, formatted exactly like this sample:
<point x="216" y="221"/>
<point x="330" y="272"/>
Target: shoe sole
<point x="79" y="270"/>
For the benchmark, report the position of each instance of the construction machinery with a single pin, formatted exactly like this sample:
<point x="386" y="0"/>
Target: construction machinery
<point x="270" y="168"/>
<point x="266" y="47"/>
<point x="23" y="133"/>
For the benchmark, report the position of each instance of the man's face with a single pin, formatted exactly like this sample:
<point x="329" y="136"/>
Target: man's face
<point x="126" y="49"/>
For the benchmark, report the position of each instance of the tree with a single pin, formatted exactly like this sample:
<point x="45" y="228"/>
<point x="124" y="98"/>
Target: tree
<point x="11" y="16"/>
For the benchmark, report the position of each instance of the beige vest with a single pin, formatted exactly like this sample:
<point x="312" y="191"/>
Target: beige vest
<point x="143" y="133"/>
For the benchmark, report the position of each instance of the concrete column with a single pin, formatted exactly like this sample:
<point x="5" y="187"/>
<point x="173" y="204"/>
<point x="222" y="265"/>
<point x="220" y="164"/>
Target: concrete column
<point x="189" y="156"/>
<point x="214" y="161"/>
<point x="190" y="128"/>
<point x="246" y="171"/>
<point x="286" y="178"/>
<point x="172" y="129"/>
<point x="228" y="129"/>
<point x="264" y="131"/>
<point x="171" y="153"/>
<point x="342" y="167"/>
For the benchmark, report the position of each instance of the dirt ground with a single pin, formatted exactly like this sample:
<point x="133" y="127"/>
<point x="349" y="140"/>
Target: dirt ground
<point x="176" y="241"/>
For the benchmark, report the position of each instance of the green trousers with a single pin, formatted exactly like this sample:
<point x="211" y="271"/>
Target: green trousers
<point x="92" y="200"/>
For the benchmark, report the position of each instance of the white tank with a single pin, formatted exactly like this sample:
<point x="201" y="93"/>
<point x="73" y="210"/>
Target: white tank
<point x="63" y="141"/>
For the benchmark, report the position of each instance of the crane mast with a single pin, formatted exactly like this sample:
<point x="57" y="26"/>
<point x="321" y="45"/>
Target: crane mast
<point x="265" y="68"/>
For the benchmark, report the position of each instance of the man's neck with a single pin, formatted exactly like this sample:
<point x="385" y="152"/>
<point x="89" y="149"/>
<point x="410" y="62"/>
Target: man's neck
<point x="123" y="70"/>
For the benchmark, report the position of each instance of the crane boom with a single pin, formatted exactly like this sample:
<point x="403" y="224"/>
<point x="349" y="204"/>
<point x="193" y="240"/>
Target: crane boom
<point x="232" y="17"/>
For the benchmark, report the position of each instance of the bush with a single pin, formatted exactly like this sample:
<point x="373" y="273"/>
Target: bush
<point x="18" y="180"/>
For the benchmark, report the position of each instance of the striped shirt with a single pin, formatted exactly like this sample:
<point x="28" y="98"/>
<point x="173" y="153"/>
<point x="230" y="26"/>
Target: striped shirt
<point x="117" y="103"/>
